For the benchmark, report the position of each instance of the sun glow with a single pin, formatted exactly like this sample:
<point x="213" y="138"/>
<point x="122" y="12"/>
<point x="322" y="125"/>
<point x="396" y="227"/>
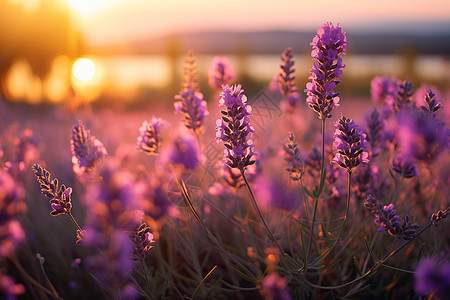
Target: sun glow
<point x="87" y="8"/>
<point x="83" y="69"/>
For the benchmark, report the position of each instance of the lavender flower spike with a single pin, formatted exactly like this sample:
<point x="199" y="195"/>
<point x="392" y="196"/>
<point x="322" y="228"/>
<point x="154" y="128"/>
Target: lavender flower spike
<point x="220" y="72"/>
<point x="234" y="128"/>
<point x="294" y="159"/>
<point x="87" y="151"/>
<point x="189" y="102"/>
<point x="286" y="81"/>
<point x="329" y="43"/>
<point x="148" y="140"/>
<point x="350" y="144"/>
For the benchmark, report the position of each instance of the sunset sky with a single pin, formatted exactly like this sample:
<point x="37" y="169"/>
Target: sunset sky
<point x="105" y="21"/>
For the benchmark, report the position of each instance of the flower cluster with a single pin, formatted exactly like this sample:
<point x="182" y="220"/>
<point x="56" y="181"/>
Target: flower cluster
<point x="350" y="144"/>
<point x="183" y="153"/>
<point x="405" y="167"/>
<point x="433" y="105"/>
<point x="420" y="136"/>
<point x="439" y="216"/>
<point x="433" y="277"/>
<point x="220" y="72"/>
<point x="329" y="43"/>
<point x="286" y="81"/>
<point x="234" y="128"/>
<point x="293" y="158"/>
<point x="375" y="132"/>
<point x="384" y="89"/>
<point x="149" y="141"/>
<point x="189" y="102"/>
<point x="112" y="212"/>
<point x="59" y="196"/>
<point x="142" y="239"/>
<point x="404" y="96"/>
<point x="87" y="151"/>
<point x="387" y="218"/>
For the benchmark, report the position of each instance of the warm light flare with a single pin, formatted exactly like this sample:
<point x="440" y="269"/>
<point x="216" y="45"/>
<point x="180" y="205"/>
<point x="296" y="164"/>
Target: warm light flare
<point x="87" y="8"/>
<point x="83" y="69"/>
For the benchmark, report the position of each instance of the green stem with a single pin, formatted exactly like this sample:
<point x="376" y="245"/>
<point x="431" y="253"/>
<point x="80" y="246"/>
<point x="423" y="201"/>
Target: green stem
<point x="255" y="204"/>
<point x="317" y="197"/>
<point x="186" y="197"/>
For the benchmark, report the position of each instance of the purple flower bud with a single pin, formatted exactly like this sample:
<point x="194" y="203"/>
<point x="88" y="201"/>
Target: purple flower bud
<point x="375" y="132"/>
<point x="87" y="151"/>
<point x="220" y="72"/>
<point x="404" y="96"/>
<point x="191" y="105"/>
<point x="183" y="153"/>
<point x="329" y="43"/>
<point x="384" y="89"/>
<point x="149" y="140"/>
<point x="234" y="128"/>
<point x="294" y="159"/>
<point x="350" y="145"/>
<point x="274" y="287"/>
<point x="405" y="167"/>
<point x="286" y="81"/>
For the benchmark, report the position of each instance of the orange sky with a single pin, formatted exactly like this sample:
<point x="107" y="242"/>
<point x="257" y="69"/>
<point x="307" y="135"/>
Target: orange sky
<point x="104" y="21"/>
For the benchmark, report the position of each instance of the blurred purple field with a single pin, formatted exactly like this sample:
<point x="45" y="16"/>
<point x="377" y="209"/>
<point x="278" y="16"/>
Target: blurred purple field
<point x="227" y="186"/>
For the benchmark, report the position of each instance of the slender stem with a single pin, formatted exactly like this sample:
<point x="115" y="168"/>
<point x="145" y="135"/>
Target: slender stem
<point x="28" y="277"/>
<point x="74" y="221"/>
<point x="255" y="204"/>
<point x="323" y="148"/>
<point x="346" y="210"/>
<point x="186" y="197"/>
<point x="317" y="197"/>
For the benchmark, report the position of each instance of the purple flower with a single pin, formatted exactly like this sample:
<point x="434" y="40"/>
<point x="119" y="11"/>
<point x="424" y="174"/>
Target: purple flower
<point x="274" y="287"/>
<point x="405" y="167"/>
<point x="432" y="276"/>
<point x="286" y="81"/>
<point x="375" y="132"/>
<point x="143" y="242"/>
<point x="329" y="43"/>
<point x="234" y="128"/>
<point x="350" y="145"/>
<point x="432" y="103"/>
<point x="59" y="196"/>
<point x="367" y="180"/>
<point x="156" y="202"/>
<point x="404" y="96"/>
<point x="420" y="136"/>
<point x="113" y="202"/>
<point x="191" y="105"/>
<point x="87" y="151"/>
<point x="220" y="72"/>
<point x="148" y="140"/>
<point x="388" y="220"/>
<point x="384" y="89"/>
<point x="183" y="153"/>
<point x="439" y="216"/>
<point x="293" y="158"/>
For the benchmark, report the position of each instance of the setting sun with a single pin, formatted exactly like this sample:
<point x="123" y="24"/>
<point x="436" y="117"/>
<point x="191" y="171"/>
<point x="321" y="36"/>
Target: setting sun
<point x="86" y="8"/>
<point x="83" y="69"/>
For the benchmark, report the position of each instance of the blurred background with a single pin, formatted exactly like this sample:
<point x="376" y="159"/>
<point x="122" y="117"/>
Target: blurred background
<point x="132" y="51"/>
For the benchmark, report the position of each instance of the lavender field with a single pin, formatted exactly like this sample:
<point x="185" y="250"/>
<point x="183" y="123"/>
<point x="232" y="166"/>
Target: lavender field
<point x="291" y="191"/>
